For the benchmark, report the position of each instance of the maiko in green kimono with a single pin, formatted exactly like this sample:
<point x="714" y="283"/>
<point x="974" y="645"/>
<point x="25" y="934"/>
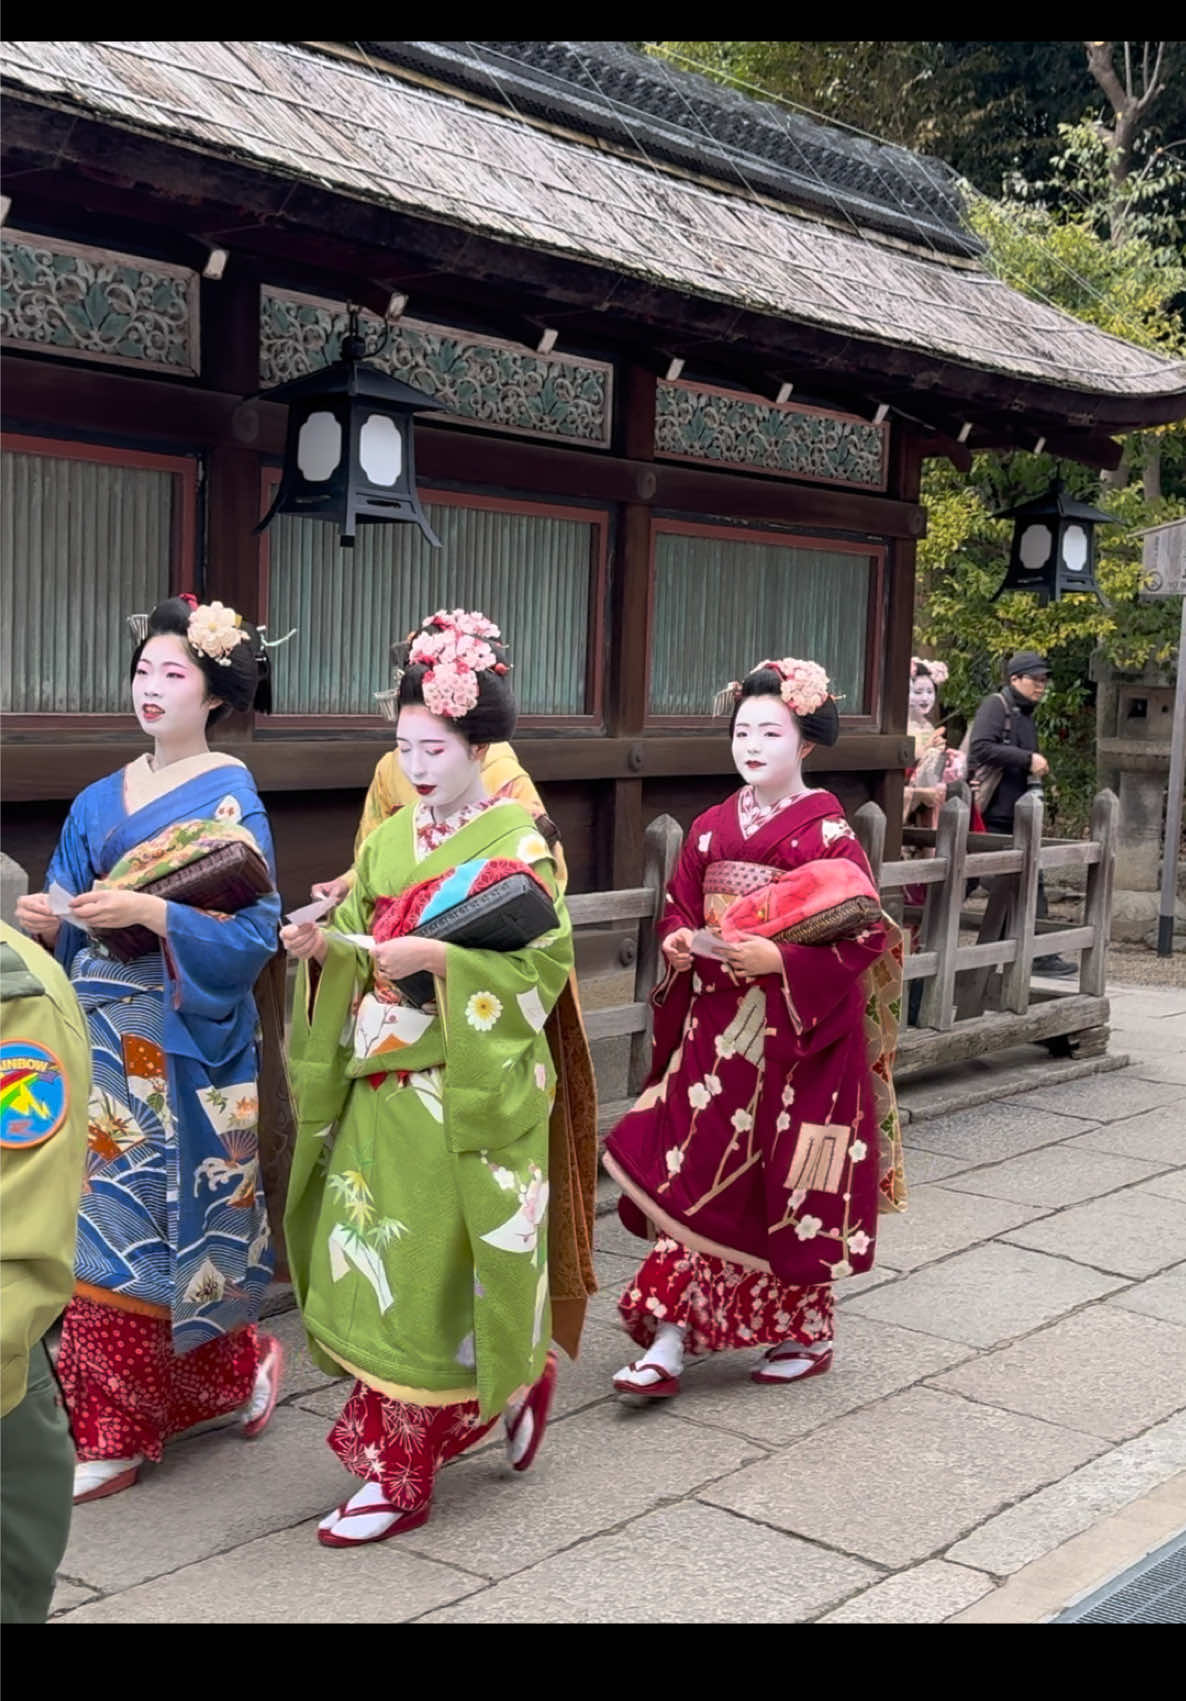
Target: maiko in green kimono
<point x="417" y="1214"/>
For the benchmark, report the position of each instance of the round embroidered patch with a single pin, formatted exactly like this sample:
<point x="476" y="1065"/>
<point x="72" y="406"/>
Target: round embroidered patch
<point x="34" y="1093"/>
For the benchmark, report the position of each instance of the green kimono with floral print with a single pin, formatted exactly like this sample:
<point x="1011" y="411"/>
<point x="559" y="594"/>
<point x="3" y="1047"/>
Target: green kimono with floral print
<point x="417" y="1210"/>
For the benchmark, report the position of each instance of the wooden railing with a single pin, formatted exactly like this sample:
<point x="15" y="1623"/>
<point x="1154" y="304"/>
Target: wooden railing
<point x="979" y="997"/>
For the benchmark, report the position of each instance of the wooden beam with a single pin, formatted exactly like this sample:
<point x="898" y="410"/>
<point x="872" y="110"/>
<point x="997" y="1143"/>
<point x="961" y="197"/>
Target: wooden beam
<point x="77" y="400"/>
<point x="59" y="767"/>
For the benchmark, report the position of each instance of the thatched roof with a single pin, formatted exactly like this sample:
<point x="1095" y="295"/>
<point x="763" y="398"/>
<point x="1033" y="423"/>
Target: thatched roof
<point x="648" y="108"/>
<point x="364" y="132"/>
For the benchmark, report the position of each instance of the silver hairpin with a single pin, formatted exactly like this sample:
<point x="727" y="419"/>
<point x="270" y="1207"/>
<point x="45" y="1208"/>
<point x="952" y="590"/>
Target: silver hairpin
<point x="388" y="702"/>
<point x="275" y="643"/>
<point x="138" y="626"/>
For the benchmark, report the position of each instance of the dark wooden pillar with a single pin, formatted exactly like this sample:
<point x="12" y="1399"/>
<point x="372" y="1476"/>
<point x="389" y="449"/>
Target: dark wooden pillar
<point x="230" y="363"/>
<point x="630" y="603"/>
<point x="905" y="483"/>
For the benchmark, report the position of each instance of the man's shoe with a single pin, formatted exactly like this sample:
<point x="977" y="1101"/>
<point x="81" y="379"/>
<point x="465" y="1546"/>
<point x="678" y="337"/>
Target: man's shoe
<point x="1058" y="967"/>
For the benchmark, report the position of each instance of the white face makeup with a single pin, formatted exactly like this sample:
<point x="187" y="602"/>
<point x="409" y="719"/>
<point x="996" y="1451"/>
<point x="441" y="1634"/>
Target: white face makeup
<point x="169" y="691"/>
<point x="443" y="767"/>
<point x="922" y="695"/>
<point x="768" y="747"/>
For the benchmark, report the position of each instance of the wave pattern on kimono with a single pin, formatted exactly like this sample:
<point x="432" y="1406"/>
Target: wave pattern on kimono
<point x="767" y="1133"/>
<point x="172" y="1220"/>
<point x="417" y="1214"/>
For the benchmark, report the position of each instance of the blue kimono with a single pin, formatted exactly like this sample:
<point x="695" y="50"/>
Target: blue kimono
<point x="173" y="1213"/>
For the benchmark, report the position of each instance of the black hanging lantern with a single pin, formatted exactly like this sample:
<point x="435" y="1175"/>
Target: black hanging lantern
<point x="349" y="452"/>
<point x="1053" y="545"/>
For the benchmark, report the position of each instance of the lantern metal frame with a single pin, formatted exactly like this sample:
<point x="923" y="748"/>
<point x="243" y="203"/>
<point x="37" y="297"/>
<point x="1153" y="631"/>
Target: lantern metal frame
<point x="353" y="393"/>
<point x="1058" y="514"/>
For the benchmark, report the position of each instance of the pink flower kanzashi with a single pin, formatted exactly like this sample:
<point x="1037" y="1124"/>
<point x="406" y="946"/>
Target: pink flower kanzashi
<point x="462" y="620"/>
<point x="804" y="684"/>
<point x="453" y="659"/>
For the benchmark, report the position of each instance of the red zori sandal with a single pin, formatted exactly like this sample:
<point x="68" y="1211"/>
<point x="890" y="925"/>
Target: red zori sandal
<point x="536" y="1406"/>
<point x="258" y="1412"/>
<point x="817" y="1364"/>
<point x="663" y="1389"/>
<point x="404" y="1521"/>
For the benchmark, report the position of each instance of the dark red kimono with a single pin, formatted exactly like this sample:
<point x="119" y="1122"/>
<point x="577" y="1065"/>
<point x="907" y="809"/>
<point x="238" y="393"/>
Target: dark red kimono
<point x="767" y="1133"/>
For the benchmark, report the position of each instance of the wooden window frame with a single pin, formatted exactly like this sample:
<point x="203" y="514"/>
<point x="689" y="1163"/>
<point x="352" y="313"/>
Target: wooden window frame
<point x="868" y="719"/>
<point x="182" y="554"/>
<point x="593" y="719"/>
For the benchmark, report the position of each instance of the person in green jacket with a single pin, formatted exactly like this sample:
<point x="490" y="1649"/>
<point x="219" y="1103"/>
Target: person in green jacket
<point x="45" y="1084"/>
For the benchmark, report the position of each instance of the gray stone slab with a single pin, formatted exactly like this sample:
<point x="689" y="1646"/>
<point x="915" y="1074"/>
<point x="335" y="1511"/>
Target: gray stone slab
<point x="1043" y="1521"/>
<point x="1162" y="1296"/>
<point x="1101" y="1098"/>
<point x="1158" y="1136"/>
<point x="850" y="1286"/>
<point x="1169" y="1185"/>
<point x="685" y="1564"/>
<point x="1054" y="1175"/>
<point x="904" y="1478"/>
<point x="1167" y="1069"/>
<point x="1104" y="1372"/>
<point x="614" y="1274"/>
<point x="609" y="1235"/>
<point x="940" y="1222"/>
<point x="990" y="1133"/>
<point x="599" y="1468"/>
<point x="1132" y="1234"/>
<point x="872" y="1360"/>
<point x="926" y="1594"/>
<point x="990" y="1294"/>
<point x="289" y="1578"/>
<point x="208" y="1495"/>
<point x="69" y="1595"/>
<point x="923" y="1166"/>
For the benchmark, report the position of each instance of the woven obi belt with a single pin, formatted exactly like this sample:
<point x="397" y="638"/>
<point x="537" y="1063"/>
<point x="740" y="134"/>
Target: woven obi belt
<point x="815" y="904"/>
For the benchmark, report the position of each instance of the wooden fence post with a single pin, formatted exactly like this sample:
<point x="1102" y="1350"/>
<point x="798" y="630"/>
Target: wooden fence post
<point x="940" y="930"/>
<point x="1027" y="838"/>
<point x="1097" y="910"/>
<point x="664" y="840"/>
<point x="869" y="825"/>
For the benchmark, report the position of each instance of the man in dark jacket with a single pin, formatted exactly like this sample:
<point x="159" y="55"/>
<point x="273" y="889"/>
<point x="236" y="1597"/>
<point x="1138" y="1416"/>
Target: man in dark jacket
<point x="1005" y="738"/>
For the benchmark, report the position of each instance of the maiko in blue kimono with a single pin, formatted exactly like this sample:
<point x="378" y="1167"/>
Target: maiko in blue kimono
<point x="173" y="1255"/>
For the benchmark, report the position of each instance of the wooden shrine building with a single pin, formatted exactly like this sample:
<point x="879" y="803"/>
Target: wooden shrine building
<point x="693" y="351"/>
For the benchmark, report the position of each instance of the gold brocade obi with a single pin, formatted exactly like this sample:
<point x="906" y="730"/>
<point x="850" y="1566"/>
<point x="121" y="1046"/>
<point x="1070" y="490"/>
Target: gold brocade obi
<point x="725" y="881"/>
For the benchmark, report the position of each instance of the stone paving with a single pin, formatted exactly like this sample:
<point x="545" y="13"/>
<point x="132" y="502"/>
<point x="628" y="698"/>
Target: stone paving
<point x="1011" y="1375"/>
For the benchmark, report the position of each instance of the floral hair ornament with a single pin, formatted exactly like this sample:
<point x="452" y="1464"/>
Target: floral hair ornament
<point x="803" y="687"/>
<point x="453" y="657"/>
<point x="214" y="630"/>
<point x="936" y="670"/>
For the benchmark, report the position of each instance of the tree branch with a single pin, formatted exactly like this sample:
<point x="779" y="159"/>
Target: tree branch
<point x="1099" y="63"/>
<point x="1128" y="89"/>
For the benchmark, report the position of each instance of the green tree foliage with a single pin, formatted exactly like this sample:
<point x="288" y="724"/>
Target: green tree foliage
<point x="1128" y="289"/>
<point x="991" y="109"/>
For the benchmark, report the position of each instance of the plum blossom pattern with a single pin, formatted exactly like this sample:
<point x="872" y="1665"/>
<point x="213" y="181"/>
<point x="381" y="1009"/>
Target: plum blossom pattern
<point x="720" y="1305"/>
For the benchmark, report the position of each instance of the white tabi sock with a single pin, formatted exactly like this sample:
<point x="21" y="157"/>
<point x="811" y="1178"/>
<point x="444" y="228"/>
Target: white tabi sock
<point x="667" y="1350"/>
<point x="359" y="1528"/>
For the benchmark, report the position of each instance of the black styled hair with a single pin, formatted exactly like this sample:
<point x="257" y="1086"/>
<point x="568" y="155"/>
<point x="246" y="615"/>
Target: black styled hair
<point x="821" y="726"/>
<point x="492" y="718"/>
<point x="242" y="680"/>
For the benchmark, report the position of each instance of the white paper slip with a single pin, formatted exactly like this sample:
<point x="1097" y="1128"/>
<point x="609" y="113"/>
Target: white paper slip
<point x="310" y="912"/>
<point x="706" y="944"/>
<point x="59" y="903"/>
<point x="362" y="940"/>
